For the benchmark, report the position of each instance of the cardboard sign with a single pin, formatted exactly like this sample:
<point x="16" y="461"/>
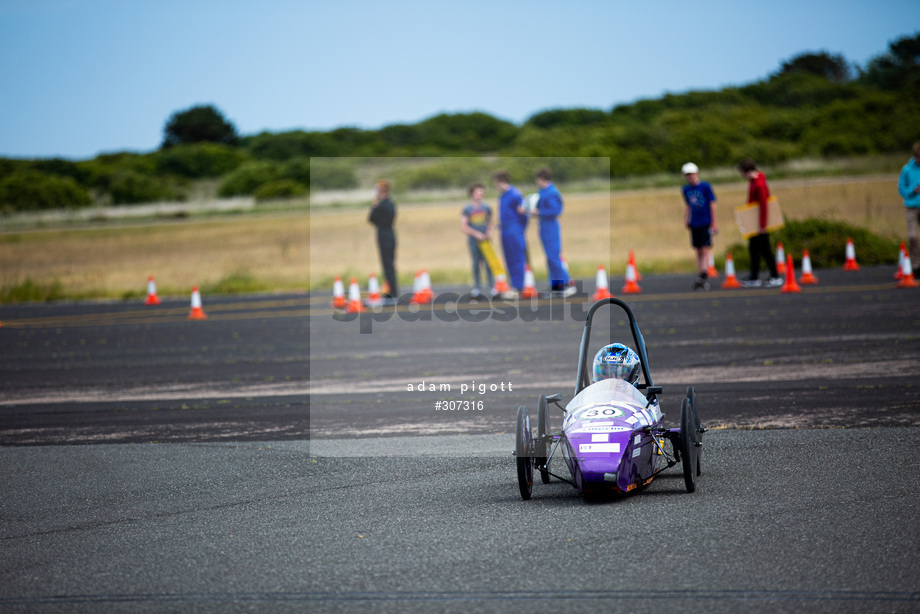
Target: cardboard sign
<point x="748" y="218"/>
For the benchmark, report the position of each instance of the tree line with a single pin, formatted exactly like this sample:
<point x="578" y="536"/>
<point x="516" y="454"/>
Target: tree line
<point x="816" y="105"/>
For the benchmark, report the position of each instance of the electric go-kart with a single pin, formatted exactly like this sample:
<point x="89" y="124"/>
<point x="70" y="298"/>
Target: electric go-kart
<point x="612" y="437"/>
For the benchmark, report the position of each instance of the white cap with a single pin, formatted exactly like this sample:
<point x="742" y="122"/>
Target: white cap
<point x="689" y="167"/>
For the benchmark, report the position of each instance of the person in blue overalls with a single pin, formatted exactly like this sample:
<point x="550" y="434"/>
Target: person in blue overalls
<point x="513" y="221"/>
<point x="549" y="208"/>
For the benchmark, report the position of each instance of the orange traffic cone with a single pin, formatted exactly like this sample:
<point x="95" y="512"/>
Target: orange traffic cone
<point x="907" y="274"/>
<point x="902" y="254"/>
<point x="850" y="262"/>
<point x="631" y="287"/>
<point x="712" y="272"/>
<point x="807" y="278"/>
<point x="530" y="284"/>
<point x="790" y="285"/>
<point x="338" y="293"/>
<point x="354" y="298"/>
<point x="780" y="259"/>
<point x="501" y="285"/>
<point x="632" y="261"/>
<point x="197" y="313"/>
<point x="422" y="288"/>
<point x="427" y="294"/>
<point x="601" y="287"/>
<point x="731" y="281"/>
<point x="373" y="291"/>
<point x="152" y="298"/>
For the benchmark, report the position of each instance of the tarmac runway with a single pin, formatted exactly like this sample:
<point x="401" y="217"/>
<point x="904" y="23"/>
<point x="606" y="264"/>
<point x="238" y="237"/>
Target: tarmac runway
<point x="275" y="457"/>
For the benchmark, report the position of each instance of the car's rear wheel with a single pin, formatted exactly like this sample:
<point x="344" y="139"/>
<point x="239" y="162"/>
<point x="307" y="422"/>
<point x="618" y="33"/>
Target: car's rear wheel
<point x="523" y="452"/>
<point x="698" y="427"/>
<point x="689" y="448"/>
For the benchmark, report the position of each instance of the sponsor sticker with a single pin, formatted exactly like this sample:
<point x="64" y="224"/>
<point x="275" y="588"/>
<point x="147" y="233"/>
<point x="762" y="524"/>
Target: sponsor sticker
<point x="593" y="428"/>
<point x="598" y="447"/>
<point x="600" y="437"/>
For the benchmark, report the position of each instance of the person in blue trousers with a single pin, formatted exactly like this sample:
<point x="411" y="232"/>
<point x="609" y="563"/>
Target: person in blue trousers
<point x="549" y="208"/>
<point x="513" y="220"/>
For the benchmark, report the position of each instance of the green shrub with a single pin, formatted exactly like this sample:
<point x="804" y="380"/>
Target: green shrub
<point x="466" y="132"/>
<point x="764" y="151"/>
<point x="8" y="166"/>
<point x="30" y="190"/>
<point x="445" y="173"/>
<point x="99" y="172"/>
<point x="60" y="167"/>
<point x="826" y="242"/>
<point x="247" y="178"/>
<point x="279" y="188"/>
<point x="567" y="117"/>
<point x="557" y="141"/>
<point x="297" y="169"/>
<point x="332" y="174"/>
<point x="130" y="187"/>
<point x="523" y="170"/>
<point x="286" y="145"/>
<point x="199" y="160"/>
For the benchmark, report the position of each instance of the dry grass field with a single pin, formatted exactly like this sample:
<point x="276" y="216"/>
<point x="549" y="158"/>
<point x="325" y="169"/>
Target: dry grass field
<point x="596" y="228"/>
<point x="289" y="251"/>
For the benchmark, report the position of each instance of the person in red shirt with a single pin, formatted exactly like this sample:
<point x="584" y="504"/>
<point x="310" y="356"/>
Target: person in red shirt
<point x="759" y="245"/>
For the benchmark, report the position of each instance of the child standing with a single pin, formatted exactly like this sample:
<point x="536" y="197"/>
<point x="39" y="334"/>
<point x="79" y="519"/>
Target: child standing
<point x="476" y="222"/>
<point x="700" y="218"/>
<point x="759" y="244"/>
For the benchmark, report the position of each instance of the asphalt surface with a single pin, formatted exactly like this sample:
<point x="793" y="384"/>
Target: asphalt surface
<point x="274" y="458"/>
<point x="784" y="520"/>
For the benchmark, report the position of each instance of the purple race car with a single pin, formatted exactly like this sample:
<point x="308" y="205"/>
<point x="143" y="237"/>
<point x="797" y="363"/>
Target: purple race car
<point x="612" y="438"/>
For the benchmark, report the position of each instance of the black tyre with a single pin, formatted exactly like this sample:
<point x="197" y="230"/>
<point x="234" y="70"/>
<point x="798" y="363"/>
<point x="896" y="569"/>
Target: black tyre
<point x="541" y="447"/>
<point x="689" y="450"/>
<point x="691" y="395"/>
<point x="523" y="453"/>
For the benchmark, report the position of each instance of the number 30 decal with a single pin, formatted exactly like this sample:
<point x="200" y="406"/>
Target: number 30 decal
<point x="600" y="412"/>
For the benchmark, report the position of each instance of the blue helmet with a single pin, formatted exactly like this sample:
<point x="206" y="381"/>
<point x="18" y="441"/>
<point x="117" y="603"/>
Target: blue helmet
<point x="616" y="361"/>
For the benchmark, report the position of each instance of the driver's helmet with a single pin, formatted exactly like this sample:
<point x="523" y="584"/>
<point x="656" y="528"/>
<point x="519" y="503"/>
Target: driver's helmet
<point x="616" y="361"/>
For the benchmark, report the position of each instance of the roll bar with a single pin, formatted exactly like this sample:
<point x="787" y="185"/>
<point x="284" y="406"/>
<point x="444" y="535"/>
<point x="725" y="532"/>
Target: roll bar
<point x="583" y="380"/>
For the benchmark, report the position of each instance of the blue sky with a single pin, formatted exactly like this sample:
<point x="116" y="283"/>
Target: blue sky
<point x="82" y="77"/>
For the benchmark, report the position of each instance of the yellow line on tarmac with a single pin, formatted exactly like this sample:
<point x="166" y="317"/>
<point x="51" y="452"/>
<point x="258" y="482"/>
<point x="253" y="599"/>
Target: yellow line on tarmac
<point x="630" y="298"/>
<point x="263" y="309"/>
<point x="743" y="292"/>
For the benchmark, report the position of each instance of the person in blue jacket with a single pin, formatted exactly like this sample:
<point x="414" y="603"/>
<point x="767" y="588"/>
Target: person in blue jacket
<point x="909" y="189"/>
<point x="513" y="220"/>
<point x="549" y="208"/>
